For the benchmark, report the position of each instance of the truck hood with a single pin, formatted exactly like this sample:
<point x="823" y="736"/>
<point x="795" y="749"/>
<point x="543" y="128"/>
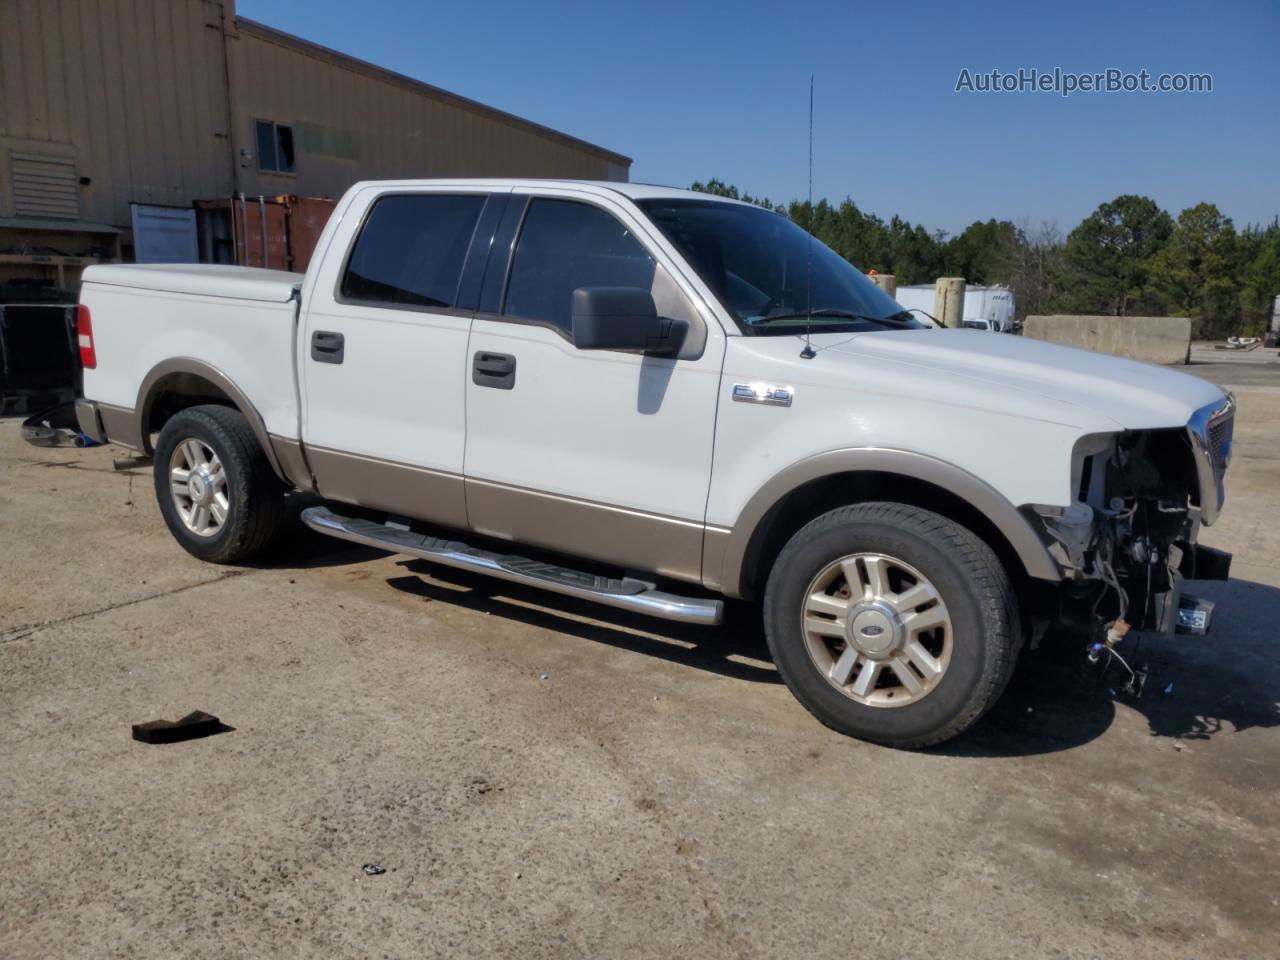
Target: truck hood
<point x="1018" y="375"/>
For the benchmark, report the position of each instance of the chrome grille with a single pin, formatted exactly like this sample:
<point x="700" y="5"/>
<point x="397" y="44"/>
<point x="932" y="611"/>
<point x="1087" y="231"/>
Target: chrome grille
<point x="1220" y="431"/>
<point x="1210" y="431"/>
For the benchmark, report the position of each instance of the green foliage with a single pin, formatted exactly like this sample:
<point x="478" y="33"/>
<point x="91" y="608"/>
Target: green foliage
<point x="914" y="252"/>
<point x="1259" y="251"/>
<point x="1127" y="258"/>
<point x="984" y="252"/>
<point x="1108" y="257"/>
<point x="1192" y="272"/>
<point x="910" y="253"/>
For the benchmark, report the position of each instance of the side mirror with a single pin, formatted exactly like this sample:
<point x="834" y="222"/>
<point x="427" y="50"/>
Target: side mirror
<point x="624" y="318"/>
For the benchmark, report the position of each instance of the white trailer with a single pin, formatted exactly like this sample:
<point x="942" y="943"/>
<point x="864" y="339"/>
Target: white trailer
<point x="985" y="308"/>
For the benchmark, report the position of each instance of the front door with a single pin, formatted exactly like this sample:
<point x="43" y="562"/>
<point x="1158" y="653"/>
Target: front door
<point x="383" y="356"/>
<point x="595" y="453"/>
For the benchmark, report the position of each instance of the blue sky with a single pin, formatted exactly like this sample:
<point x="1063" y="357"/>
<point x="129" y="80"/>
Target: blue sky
<point x="693" y="91"/>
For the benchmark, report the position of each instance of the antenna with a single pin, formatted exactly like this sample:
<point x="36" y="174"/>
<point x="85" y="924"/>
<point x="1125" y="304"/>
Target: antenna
<point x="807" y="353"/>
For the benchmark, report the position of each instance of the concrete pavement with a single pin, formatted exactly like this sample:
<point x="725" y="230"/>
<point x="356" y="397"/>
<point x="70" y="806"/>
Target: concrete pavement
<point x="658" y="794"/>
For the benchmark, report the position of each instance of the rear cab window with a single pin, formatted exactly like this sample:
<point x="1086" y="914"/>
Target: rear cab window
<point x="411" y="249"/>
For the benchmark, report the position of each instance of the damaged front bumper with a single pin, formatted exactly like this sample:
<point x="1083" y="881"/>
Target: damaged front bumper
<point x="1128" y="541"/>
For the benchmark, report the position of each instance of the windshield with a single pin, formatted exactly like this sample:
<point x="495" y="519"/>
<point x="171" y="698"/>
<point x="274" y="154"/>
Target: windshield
<point x="758" y="264"/>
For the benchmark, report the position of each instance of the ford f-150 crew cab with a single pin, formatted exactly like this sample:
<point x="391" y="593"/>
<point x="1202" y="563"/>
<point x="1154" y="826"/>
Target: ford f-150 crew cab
<point x="655" y="399"/>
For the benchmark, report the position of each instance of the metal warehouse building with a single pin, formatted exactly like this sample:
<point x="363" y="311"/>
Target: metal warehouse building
<point x="131" y="128"/>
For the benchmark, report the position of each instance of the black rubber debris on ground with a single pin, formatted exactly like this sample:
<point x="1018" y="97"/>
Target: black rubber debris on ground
<point x="193" y="726"/>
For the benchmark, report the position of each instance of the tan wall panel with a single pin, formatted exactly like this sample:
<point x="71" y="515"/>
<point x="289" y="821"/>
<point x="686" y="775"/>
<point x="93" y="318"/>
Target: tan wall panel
<point x="400" y="132"/>
<point x="37" y="105"/>
<point x="13" y="92"/>
<point x="78" y="112"/>
<point x="131" y="85"/>
<point x="137" y="92"/>
<point x="54" y="72"/>
<point x="116" y="172"/>
<point x="141" y="102"/>
<point x="169" y="21"/>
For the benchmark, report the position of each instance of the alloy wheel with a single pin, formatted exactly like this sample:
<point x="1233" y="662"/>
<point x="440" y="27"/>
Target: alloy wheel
<point x="877" y="629"/>
<point x="198" y="483"/>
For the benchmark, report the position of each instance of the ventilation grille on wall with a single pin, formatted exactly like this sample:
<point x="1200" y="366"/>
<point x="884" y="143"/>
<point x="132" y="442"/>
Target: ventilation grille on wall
<point x="44" y="187"/>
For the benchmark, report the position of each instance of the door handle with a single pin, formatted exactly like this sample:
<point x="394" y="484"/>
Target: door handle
<point x="327" y="346"/>
<point x="497" y="370"/>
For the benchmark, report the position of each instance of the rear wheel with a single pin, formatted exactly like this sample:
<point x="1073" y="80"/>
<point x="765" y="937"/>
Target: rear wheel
<point x="891" y="623"/>
<point x="217" y="492"/>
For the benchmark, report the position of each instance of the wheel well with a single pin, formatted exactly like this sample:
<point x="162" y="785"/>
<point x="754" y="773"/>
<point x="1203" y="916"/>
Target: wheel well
<point x="812" y="499"/>
<point x="175" y="392"/>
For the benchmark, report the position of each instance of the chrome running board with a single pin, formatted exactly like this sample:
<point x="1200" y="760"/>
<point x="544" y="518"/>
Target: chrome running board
<point x="625" y="594"/>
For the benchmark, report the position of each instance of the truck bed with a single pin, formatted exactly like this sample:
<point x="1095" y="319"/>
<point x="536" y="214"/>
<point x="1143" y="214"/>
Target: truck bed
<point x="239" y="321"/>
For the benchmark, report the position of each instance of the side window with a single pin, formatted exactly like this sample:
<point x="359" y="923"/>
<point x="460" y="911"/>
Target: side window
<point x="565" y="245"/>
<point x="411" y="249"/>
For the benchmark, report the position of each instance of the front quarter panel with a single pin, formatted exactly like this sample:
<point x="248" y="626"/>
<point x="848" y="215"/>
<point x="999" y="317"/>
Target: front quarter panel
<point x="850" y="404"/>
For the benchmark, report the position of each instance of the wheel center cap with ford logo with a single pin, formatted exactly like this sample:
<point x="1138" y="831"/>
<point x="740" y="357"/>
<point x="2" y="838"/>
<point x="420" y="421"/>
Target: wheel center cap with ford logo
<point x="873" y="628"/>
<point x="198" y="487"/>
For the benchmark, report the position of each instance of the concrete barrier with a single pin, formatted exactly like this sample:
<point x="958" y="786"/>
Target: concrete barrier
<point x="1153" y="339"/>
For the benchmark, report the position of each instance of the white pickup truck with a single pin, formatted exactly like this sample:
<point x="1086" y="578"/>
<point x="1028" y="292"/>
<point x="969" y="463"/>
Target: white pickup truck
<point x="656" y="399"/>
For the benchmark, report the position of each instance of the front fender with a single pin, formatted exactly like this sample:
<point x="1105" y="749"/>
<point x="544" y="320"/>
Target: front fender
<point x="726" y="551"/>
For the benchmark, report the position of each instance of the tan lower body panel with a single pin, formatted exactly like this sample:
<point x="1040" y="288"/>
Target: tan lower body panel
<point x="627" y="538"/>
<point x="120" y="424"/>
<point x="715" y="543"/>
<point x="292" y="463"/>
<point x="395" y="487"/>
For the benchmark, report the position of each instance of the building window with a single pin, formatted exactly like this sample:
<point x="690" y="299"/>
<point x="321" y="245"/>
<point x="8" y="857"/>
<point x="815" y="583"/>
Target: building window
<point x="275" y="147"/>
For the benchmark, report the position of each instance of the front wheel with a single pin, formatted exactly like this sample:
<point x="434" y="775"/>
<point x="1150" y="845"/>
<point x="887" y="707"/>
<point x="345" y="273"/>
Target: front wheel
<point x="217" y="492"/>
<point x="891" y="623"/>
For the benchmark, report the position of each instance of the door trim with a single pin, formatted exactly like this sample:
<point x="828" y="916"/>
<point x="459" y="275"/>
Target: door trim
<point x="419" y="492"/>
<point x="668" y="546"/>
<point x="293" y="461"/>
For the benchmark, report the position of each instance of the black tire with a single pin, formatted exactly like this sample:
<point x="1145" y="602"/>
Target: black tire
<point x="972" y="583"/>
<point x="257" y="509"/>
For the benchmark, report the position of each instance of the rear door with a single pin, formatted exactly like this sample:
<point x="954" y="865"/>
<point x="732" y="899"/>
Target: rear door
<point x="383" y="351"/>
<point x="602" y="454"/>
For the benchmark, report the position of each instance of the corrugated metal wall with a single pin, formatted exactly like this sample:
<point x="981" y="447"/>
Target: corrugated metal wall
<point x="131" y="91"/>
<point x="354" y="122"/>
